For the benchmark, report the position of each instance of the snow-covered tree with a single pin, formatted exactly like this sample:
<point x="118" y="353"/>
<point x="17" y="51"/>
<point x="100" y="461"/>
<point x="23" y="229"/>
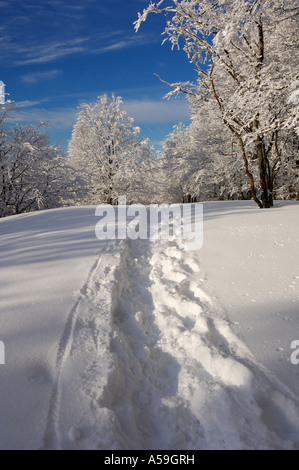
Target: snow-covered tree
<point x="220" y="175"/>
<point x="293" y="121"/>
<point x="287" y="184"/>
<point x="200" y="159"/>
<point x="33" y="174"/>
<point x="178" y="162"/>
<point x="245" y="55"/>
<point x="107" y="151"/>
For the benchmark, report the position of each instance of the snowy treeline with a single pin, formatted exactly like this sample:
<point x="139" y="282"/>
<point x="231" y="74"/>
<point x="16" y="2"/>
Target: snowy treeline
<point x="33" y="174"/>
<point x="202" y="163"/>
<point x="199" y="162"/>
<point x="246" y="56"/>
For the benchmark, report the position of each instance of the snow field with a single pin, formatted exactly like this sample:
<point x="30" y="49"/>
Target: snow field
<point x="132" y="348"/>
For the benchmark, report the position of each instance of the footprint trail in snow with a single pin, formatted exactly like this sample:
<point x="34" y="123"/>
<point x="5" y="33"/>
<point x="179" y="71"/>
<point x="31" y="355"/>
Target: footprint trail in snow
<point x="148" y="361"/>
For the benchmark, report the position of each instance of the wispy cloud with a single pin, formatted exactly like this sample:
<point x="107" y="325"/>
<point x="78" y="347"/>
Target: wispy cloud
<point x="49" y="52"/>
<point x="34" y="54"/>
<point x="36" y="77"/>
<point x="124" y="43"/>
<point x="29" y="103"/>
<point x="33" y="33"/>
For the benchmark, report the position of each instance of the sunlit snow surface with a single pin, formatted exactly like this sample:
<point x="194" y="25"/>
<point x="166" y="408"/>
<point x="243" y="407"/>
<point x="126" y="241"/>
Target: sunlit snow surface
<point x="144" y="345"/>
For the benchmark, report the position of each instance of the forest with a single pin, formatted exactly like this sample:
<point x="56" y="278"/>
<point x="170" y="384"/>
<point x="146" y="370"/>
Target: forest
<point x="242" y="142"/>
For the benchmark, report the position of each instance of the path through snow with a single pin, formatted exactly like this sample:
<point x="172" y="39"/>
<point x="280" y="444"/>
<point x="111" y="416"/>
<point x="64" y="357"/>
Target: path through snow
<point x="148" y="361"/>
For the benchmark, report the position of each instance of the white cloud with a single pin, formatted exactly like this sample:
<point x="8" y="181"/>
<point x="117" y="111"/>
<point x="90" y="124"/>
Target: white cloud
<point x="61" y="119"/>
<point x="158" y="112"/>
<point x="151" y="113"/>
<point x="36" y="77"/>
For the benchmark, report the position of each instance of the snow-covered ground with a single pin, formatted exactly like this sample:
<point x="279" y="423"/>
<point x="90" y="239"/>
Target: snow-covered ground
<point x="143" y="345"/>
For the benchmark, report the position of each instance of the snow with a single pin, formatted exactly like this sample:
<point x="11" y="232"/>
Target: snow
<point x="142" y="344"/>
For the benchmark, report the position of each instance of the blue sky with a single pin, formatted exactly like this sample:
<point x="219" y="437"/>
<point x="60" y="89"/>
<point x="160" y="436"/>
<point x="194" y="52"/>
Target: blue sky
<point x="56" y="54"/>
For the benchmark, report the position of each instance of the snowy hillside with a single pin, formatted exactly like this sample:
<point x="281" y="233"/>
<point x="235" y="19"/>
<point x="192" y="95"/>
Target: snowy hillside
<point x="144" y="345"/>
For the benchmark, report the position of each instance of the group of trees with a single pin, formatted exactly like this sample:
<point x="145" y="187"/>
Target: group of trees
<point x="245" y="54"/>
<point x="106" y="159"/>
<point x="207" y="165"/>
<point x="33" y="174"/>
<point x="242" y="143"/>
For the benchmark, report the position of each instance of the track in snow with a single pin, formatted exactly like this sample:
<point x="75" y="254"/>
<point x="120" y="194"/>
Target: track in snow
<point x="184" y="380"/>
<point x="82" y="315"/>
<point x="156" y="366"/>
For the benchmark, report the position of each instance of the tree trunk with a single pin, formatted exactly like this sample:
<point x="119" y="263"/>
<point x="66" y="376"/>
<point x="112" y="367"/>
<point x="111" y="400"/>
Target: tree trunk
<point x="264" y="170"/>
<point x="249" y="174"/>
